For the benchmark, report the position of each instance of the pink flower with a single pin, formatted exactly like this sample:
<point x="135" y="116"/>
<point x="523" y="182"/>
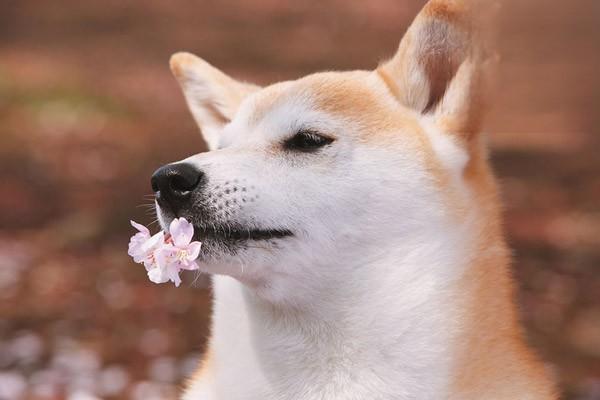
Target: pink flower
<point x="183" y="251"/>
<point x="165" y="256"/>
<point x="142" y="246"/>
<point x="137" y="240"/>
<point x="165" y="270"/>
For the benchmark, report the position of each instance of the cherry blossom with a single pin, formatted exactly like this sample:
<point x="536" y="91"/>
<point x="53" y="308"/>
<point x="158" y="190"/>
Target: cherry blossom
<point x="165" y="255"/>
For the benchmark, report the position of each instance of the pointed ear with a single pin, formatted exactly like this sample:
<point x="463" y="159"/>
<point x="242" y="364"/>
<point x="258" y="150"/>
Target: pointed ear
<point x="439" y="67"/>
<point x="212" y="96"/>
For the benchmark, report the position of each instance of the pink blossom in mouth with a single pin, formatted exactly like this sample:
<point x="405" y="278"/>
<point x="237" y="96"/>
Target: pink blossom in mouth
<point x="137" y="240"/>
<point x="165" y="255"/>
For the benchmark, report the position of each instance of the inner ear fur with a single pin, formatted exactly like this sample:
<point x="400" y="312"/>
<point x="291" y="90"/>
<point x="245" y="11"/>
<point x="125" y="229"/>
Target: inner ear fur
<point x="441" y="65"/>
<point x="212" y="96"/>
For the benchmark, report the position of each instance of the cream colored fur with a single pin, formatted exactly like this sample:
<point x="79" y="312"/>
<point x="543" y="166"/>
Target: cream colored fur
<point x="396" y="283"/>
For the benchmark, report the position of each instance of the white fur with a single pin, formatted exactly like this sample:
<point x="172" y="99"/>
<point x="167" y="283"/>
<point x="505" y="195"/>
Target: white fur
<point x="363" y="301"/>
<point x="359" y="305"/>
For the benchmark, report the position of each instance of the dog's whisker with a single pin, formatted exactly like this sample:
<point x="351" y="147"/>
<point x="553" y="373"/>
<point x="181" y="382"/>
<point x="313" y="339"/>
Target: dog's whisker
<point x="196" y="278"/>
<point x="145" y="206"/>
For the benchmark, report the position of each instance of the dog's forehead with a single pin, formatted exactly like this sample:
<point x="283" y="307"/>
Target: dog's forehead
<point x="359" y="98"/>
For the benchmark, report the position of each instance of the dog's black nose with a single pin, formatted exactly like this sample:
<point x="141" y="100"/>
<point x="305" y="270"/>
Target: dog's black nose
<point x="173" y="184"/>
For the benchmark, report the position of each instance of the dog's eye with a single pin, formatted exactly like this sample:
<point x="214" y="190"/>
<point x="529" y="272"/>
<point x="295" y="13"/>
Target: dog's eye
<point x="306" y="141"/>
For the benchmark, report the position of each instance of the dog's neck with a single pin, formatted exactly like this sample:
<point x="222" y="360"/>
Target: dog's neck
<point x="381" y="333"/>
<point x="408" y="321"/>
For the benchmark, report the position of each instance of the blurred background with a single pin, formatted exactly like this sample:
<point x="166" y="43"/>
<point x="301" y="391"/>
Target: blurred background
<point x="88" y="110"/>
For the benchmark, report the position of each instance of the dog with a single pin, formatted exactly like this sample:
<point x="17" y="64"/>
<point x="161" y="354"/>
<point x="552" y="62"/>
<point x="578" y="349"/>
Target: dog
<point x="352" y="226"/>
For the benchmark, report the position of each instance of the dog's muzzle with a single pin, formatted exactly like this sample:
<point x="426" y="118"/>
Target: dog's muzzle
<point x="173" y="185"/>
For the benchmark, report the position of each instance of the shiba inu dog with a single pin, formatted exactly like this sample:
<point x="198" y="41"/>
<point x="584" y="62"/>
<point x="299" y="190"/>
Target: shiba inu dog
<point x="353" y="226"/>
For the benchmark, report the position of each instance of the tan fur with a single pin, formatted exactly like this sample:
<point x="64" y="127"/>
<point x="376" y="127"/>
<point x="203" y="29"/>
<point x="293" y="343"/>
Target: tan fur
<point x="453" y="11"/>
<point x="491" y="352"/>
<point x="221" y="94"/>
<point x="205" y="369"/>
<point x="347" y="96"/>
<point x="233" y="91"/>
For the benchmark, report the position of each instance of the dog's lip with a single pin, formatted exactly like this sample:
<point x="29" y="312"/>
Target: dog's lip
<point x="238" y="233"/>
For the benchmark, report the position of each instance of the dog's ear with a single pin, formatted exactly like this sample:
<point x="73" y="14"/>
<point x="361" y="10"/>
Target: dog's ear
<point x="212" y="96"/>
<point x="440" y="64"/>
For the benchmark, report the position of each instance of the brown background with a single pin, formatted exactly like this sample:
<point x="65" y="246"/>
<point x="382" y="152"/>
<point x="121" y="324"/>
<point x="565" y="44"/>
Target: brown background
<point x="88" y="110"/>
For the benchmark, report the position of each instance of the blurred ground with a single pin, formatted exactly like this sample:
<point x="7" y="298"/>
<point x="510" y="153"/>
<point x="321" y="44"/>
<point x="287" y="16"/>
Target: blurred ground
<point x="88" y="110"/>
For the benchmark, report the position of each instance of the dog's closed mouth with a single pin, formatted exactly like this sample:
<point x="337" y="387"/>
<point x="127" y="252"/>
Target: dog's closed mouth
<point x="239" y="233"/>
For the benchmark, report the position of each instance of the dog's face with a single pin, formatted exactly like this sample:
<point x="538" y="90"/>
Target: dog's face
<point x="330" y="168"/>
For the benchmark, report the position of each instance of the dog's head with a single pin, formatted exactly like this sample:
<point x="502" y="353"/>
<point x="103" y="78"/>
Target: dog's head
<point x="335" y="166"/>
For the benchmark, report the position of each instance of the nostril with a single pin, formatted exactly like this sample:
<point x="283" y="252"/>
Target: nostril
<point x="175" y="181"/>
<point x="184" y="182"/>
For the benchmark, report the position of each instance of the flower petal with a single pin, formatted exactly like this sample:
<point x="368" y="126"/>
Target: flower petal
<point x="154" y="242"/>
<point x="181" y="231"/>
<point x="133" y="248"/>
<point x="164" y="255"/>
<point x="157" y="275"/>
<point x="193" y="250"/>
<point x="140" y="227"/>
<point x="136" y="242"/>
<point x="189" y="266"/>
<point x="173" y="272"/>
<point x="149" y="262"/>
